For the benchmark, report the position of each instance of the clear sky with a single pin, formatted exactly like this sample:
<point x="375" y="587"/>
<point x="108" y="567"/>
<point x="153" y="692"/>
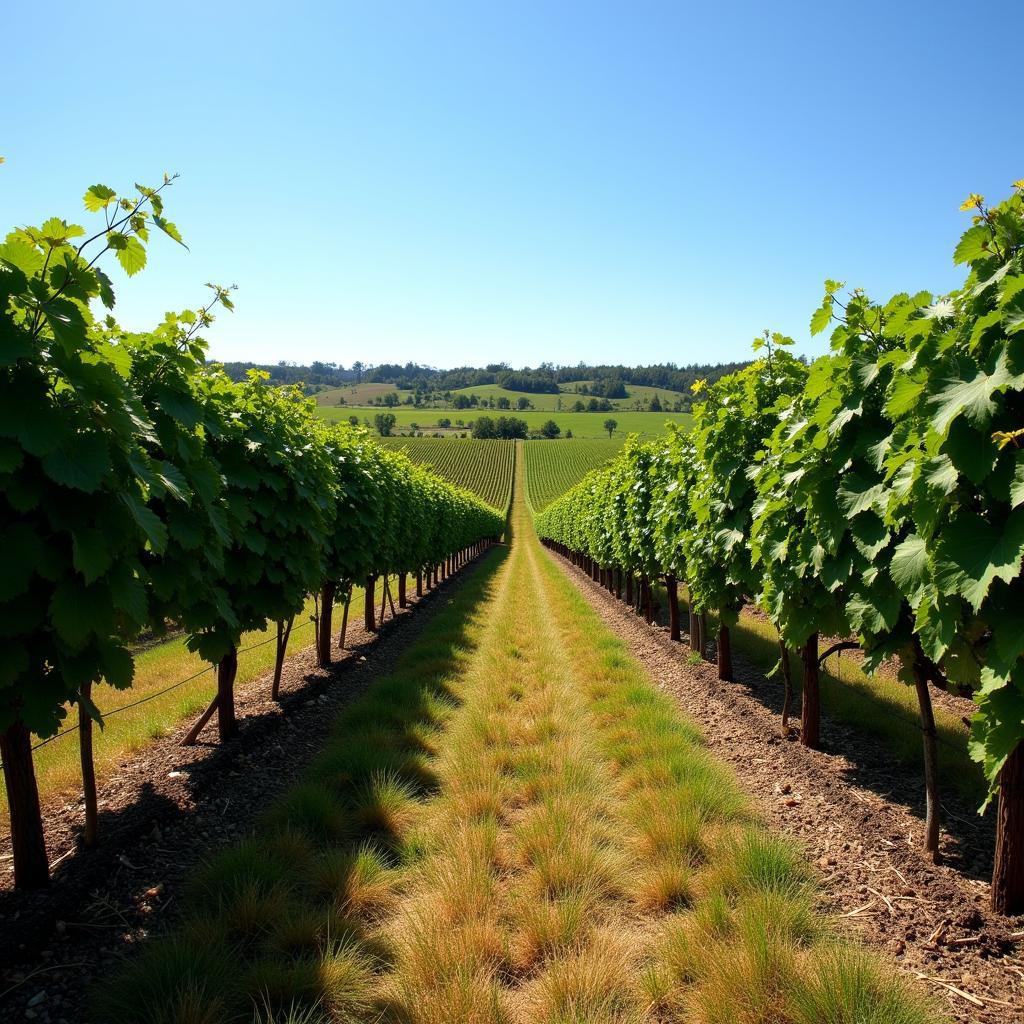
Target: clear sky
<point x="473" y="182"/>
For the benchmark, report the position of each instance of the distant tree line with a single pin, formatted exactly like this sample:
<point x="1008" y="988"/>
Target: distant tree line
<point x="604" y="381"/>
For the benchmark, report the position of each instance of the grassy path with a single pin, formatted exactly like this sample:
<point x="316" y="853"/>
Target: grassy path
<point x="513" y="827"/>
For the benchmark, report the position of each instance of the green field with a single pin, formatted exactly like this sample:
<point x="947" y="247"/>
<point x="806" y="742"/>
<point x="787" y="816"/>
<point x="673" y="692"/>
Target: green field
<point x="636" y="393"/>
<point x="356" y="394"/>
<point x="484" y="467"/>
<point x="582" y="424"/>
<point x="359" y="395"/>
<point x="551" y="468"/>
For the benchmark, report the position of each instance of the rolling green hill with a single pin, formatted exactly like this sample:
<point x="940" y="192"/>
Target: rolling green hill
<point x="582" y="424"/>
<point x="360" y="395"/>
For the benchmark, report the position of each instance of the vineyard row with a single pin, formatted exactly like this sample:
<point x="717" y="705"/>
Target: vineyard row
<point x="876" y="494"/>
<point x="141" y="487"/>
<point x="481" y="466"/>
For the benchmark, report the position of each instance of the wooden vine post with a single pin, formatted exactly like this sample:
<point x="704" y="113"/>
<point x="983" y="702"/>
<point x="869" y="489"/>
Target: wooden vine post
<point x="922" y="668"/>
<point x="227" y="669"/>
<point x="91" y="831"/>
<point x="284" y="631"/>
<point x="323" y="637"/>
<point x="28" y="842"/>
<point x="724" y="653"/>
<point x="369" y="618"/>
<point x="1008" y="870"/>
<point x="401" y="590"/>
<point x="344" y="618"/>
<point x="810" y="715"/>
<point x="672" y="590"/>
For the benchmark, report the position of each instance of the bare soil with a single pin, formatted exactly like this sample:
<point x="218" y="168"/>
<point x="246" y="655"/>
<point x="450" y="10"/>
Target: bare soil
<point x="167" y="808"/>
<point x="859" y="822"/>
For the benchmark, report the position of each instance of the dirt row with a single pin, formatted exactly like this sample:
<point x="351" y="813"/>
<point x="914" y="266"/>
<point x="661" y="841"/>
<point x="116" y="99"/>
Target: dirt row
<point x="165" y="809"/>
<point x="859" y="821"/>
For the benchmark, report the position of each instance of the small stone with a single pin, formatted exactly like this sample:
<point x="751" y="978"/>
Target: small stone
<point x="37" y="998"/>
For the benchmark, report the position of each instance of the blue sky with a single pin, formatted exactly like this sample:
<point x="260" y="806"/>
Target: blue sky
<point x="466" y="183"/>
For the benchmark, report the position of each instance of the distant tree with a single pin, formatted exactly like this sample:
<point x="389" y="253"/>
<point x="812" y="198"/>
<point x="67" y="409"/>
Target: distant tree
<point x="444" y="422"/>
<point x="391" y="399"/>
<point x="384" y="422"/>
<point x="341" y="399"/>
<point x="655" y="404"/>
<point x="611" y="426"/>
<point x="483" y="428"/>
<point x="504" y="403"/>
<point x="613" y="387"/>
<point x="354" y="420"/>
<point x="510" y="426"/>
<point x="357" y="368"/>
<point x="579" y="406"/>
<point x="522" y="402"/>
<point x="462" y="402"/>
<point x="568" y="434"/>
<point x="550" y="430"/>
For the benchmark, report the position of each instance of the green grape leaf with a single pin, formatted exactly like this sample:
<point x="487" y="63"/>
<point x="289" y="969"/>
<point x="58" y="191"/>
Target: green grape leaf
<point x="904" y="393"/>
<point x="106" y="288"/>
<point x="875" y="611"/>
<point x="90" y="553"/>
<point x="70" y="612"/>
<point x="80" y="461"/>
<point x="909" y="566"/>
<point x="131" y="256"/>
<point x="127" y="592"/>
<point x="23" y="256"/>
<point x="973" y="244"/>
<point x="168" y="229"/>
<point x="870" y="536"/>
<point x="857" y="495"/>
<point x="1017" y="485"/>
<point x="147" y="520"/>
<point x="971" y="554"/>
<point x="940" y="473"/>
<point x="972" y="398"/>
<point x="118" y="666"/>
<point x="821" y="317"/>
<point x="98" y="197"/>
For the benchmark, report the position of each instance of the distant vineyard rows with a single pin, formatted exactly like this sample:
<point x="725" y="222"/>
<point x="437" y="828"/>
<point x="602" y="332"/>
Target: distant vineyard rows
<point x="553" y="467"/>
<point x="483" y="467"/>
